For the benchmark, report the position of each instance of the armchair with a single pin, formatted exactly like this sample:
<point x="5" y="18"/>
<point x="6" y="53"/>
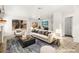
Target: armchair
<point x="18" y="32"/>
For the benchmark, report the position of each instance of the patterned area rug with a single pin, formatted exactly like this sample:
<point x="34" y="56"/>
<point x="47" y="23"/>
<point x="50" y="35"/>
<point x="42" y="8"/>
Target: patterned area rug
<point x="13" y="46"/>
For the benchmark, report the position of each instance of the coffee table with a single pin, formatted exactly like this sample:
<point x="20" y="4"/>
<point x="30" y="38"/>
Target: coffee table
<point x="27" y="41"/>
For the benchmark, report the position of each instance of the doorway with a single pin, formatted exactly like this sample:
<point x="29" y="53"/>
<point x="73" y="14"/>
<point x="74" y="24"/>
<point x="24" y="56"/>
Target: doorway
<point x="68" y="26"/>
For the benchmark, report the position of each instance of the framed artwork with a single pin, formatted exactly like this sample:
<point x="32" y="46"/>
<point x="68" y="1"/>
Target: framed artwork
<point x="16" y="24"/>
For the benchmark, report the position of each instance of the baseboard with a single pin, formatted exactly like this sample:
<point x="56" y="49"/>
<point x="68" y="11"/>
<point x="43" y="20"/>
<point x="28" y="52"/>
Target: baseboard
<point x="68" y="35"/>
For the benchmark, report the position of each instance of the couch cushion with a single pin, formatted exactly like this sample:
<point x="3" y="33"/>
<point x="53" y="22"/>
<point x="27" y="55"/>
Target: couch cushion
<point x="40" y="36"/>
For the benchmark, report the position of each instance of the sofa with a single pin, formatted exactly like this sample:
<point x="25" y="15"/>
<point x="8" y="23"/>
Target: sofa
<point x="44" y="35"/>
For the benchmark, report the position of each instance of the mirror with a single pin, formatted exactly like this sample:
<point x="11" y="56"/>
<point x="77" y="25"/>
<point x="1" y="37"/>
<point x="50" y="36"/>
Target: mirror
<point x="34" y="25"/>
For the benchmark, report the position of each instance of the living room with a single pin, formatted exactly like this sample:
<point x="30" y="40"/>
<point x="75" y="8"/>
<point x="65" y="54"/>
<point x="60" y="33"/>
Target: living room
<point x="51" y="28"/>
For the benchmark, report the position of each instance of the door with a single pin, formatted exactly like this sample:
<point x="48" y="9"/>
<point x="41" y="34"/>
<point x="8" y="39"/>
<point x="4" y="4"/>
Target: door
<point x="68" y="26"/>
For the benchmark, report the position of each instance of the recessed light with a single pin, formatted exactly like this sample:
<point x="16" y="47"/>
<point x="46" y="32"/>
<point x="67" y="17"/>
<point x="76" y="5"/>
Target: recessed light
<point x="39" y="8"/>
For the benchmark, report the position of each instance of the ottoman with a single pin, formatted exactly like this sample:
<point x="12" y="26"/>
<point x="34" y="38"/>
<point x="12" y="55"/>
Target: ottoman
<point x="27" y="41"/>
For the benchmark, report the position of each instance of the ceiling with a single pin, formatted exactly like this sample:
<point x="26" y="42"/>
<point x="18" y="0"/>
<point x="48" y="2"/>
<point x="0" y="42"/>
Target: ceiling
<point x="34" y="10"/>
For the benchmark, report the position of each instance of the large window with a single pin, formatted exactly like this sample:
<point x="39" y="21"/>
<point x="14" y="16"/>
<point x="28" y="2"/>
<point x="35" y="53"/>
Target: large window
<point x="45" y="24"/>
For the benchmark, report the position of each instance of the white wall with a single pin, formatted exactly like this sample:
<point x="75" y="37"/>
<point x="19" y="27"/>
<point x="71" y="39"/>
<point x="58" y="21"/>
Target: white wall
<point x="15" y="12"/>
<point x="76" y="24"/>
<point x="8" y="25"/>
<point x="24" y="12"/>
<point x="58" y="22"/>
<point x="74" y="12"/>
<point x="58" y="19"/>
<point x="29" y="13"/>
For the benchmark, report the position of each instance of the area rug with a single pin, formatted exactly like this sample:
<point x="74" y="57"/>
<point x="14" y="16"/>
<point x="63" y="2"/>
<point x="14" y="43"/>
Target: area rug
<point x="13" y="46"/>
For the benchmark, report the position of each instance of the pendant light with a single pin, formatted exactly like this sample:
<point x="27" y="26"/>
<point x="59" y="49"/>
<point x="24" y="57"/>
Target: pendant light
<point x="2" y="20"/>
<point x="2" y="12"/>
